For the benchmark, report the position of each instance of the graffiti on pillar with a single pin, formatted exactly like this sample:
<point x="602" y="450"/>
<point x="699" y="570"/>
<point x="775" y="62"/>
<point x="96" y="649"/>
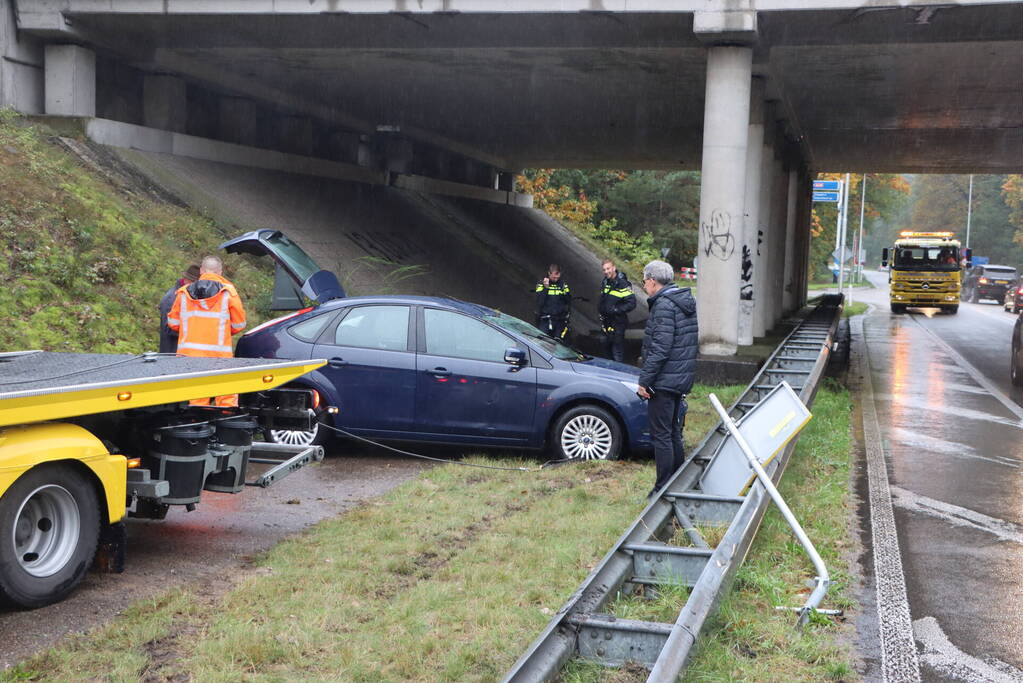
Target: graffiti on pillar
<point x="746" y="275"/>
<point x="717" y="235"/>
<point x="760" y="240"/>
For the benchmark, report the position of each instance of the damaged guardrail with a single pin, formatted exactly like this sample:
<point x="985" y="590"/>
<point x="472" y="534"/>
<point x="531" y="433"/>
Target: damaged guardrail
<point x="643" y="556"/>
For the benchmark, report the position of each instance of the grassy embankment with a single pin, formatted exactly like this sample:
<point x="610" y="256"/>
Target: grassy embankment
<point x="83" y="263"/>
<point x="451" y="576"/>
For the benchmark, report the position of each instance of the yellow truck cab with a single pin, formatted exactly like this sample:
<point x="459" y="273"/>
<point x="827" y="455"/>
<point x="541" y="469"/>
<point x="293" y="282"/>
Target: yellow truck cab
<point x="87" y="440"/>
<point x="924" y="269"/>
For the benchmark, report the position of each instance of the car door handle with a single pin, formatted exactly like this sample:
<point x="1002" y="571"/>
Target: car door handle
<point x="440" y="372"/>
<point x="337" y="362"/>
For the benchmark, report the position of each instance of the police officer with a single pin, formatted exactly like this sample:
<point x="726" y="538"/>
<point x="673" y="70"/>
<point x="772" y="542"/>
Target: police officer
<point x="616" y="300"/>
<point x="553" y="303"/>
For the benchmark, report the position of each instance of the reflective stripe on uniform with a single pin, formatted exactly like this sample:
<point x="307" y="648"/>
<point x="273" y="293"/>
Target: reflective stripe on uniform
<point x="203" y="347"/>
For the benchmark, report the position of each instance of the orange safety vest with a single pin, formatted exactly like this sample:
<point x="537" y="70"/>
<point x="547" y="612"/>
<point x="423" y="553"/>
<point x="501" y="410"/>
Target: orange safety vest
<point x="205" y="326"/>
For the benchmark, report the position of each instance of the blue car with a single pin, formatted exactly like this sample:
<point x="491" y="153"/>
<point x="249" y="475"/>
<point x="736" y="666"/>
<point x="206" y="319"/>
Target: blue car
<point x="438" y="370"/>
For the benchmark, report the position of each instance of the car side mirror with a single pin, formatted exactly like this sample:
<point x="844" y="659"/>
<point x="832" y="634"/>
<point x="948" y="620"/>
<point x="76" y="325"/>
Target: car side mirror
<point x="514" y="356"/>
<point x="884" y="257"/>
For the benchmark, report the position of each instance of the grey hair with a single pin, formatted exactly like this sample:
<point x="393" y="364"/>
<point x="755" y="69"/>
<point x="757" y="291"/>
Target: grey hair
<point x="659" y="271"/>
<point x="212" y="264"/>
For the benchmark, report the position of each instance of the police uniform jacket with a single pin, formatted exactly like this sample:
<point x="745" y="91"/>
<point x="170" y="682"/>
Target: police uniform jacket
<point x="554" y="300"/>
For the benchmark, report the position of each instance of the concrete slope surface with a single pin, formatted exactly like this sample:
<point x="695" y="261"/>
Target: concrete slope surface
<point x="474" y="250"/>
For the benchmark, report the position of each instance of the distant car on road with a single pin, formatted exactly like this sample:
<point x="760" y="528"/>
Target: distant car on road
<point x="988" y="282"/>
<point x="437" y="370"/>
<point x="1013" y="301"/>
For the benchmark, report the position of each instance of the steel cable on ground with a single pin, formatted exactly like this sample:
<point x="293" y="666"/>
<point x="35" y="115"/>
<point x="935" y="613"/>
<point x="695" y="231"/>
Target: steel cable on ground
<point x="447" y="461"/>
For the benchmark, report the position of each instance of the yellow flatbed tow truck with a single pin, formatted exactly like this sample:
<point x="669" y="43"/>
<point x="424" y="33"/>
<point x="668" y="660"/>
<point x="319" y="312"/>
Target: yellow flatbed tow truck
<point x="87" y="440"/>
<point x="925" y="270"/>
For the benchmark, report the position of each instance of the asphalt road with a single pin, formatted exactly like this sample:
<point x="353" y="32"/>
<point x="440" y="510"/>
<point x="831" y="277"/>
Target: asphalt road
<point x="950" y="425"/>
<point x="210" y="546"/>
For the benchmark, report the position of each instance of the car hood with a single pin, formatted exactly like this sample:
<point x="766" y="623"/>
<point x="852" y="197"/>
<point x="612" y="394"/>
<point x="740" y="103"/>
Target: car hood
<point x="608" y="369"/>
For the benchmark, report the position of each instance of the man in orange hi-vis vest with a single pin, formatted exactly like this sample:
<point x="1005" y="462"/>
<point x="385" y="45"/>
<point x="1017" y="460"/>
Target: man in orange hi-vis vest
<point x="205" y="315"/>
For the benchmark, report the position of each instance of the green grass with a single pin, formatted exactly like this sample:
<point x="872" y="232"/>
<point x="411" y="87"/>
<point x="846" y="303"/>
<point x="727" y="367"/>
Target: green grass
<point x="814" y="286"/>
<point x="855" y="308"/>
<point x="748" y="640"/>
<point x="83" y="264"/>
<point x="448" y="577"/>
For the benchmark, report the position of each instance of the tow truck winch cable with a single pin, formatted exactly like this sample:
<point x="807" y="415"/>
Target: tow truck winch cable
<point x="450" y="462"/>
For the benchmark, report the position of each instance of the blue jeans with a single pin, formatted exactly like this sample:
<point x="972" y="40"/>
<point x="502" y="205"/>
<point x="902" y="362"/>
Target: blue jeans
<point x="666" y="411"/>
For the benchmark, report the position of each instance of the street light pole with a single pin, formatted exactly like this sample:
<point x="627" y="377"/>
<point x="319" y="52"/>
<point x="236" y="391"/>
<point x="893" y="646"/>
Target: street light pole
<point x="969" y="211"/>
<point x="859" y="242"/>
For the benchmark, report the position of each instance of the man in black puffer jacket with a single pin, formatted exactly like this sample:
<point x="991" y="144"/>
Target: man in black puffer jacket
<point x="670" y="344"/>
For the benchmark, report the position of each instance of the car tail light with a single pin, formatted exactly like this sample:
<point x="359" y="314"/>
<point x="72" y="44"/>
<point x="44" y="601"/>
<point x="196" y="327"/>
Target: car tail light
<point x="316" y="399"/>
<point x="277" y="321"/>
<point x="1020" y="290"/>
<point x="983" y="280"/>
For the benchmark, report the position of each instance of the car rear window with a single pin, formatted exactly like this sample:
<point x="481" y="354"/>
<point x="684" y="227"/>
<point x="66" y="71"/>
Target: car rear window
<point x="309" y="330"/>
<point x="1001" y="272"/>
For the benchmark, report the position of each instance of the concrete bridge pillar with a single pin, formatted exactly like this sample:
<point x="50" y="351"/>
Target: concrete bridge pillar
<point x="761" y="306"/>
<point x="722" y="195"/>
<point x="779" y="217"/>
<point x="164" y="102"/>
<point x="788" y="298"/>
<point x="751" y="214"/>
<point x="238" y="120"/>
<point x="69" y="81"/>
<point x="803" y="236"/>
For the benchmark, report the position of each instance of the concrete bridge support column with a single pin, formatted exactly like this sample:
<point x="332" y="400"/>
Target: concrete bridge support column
<point x="788" y="299"/>
<point x="164" y="102"/>
<point x="722" y="195"/>
<point x="779" y="218"/>
<point x="297" y="135"/>
<point x="239" y="120"/>
<point x="761" y="308"/>
<point x="751" y="216"/>
<point x="70" y="81"/>
<point x="803" y="215"/>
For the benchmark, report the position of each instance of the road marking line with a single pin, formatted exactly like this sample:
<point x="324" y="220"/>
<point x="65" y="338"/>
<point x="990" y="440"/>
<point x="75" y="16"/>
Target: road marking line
<point x="898" y="651"/>
<point x="949" y="661"/>
<point x="957" y="516"/>
<point x="978" y="376"/>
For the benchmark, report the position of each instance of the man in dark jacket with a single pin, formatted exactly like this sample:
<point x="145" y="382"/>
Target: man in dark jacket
<point x="669" y="365"/>
<point x="616" y="300"/>
<point x="168" y="337"/>
<point x="553" y="303"/>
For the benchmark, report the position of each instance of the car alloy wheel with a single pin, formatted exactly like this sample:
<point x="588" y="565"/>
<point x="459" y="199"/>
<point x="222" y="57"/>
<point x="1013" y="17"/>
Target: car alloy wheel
<point x="299" y="437"/>
<point x="587" y="437"/>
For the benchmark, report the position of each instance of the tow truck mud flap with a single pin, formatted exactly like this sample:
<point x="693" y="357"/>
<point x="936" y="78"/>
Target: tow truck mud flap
<point x="284" y="458"/>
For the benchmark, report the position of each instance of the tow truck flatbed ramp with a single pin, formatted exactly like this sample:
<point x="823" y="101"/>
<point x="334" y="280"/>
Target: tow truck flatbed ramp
<point x="37" y="386"/>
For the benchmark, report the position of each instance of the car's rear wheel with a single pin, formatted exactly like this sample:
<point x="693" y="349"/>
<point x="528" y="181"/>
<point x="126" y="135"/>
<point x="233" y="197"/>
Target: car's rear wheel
<point x="49" y="529"/>
<point x="317" y="436"/>
<point x="587" y="432"/>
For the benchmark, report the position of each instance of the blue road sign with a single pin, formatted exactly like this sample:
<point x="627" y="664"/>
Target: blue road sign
<point x="827" y="185"/>
<point x="825" y="196"/>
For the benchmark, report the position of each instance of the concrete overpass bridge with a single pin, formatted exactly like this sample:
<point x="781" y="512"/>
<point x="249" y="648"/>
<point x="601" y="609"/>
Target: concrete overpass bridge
<point x="757" y="94"/>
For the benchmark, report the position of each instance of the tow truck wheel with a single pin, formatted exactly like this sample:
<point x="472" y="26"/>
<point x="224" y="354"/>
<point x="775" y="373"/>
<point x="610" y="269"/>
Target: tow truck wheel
<point x="898" y="308"/>
<point x="317" y="436"/>
<point x="49" y="529"/>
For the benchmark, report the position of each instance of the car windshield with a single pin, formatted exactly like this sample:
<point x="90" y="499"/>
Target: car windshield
<point x="553" y="346"/>
<point x="927" y="258"/>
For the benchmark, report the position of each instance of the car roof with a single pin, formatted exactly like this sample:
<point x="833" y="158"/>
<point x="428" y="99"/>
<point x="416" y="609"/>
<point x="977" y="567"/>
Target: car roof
<point x="476" y="310"/>
<point x="992" y="266"/>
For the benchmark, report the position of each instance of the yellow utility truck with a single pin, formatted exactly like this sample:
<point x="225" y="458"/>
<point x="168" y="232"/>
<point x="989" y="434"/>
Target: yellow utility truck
<point x="87" y="440"/>
<point x="924" y="269"/>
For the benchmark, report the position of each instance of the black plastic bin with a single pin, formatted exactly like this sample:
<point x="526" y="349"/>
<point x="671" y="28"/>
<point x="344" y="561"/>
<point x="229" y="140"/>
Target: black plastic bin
<point x="180" y="454"/>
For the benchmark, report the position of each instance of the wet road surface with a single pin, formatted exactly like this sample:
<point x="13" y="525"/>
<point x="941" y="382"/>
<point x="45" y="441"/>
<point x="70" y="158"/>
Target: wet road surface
<point x="208" y="545"/>
<point x="951" y="427"/>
